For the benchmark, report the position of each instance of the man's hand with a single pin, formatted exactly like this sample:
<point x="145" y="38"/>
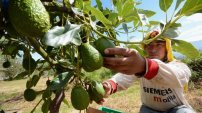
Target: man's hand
<point x="131" y="61"/>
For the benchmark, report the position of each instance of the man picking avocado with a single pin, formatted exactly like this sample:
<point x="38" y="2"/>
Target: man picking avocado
<point x="162" y="78"/>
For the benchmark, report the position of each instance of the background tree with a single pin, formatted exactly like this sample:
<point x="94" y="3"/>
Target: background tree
<point x="196" y="67"/>
<point x="10" y="68"/>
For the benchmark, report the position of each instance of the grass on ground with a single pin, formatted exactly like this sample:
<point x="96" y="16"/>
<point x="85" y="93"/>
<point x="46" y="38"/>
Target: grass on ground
<point x="128" y="101"/>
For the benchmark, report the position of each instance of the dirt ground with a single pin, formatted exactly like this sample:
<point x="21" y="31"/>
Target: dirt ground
<point x="194" y="97"/>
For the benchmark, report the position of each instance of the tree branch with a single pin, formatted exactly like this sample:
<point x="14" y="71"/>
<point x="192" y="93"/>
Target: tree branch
<point x="41" y="51"/>
<point x="55" y="104"/>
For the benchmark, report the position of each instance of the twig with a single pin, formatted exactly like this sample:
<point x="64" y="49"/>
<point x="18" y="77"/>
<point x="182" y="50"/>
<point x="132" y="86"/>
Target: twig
<point x="41" y="51"/>
<point x="36" y="106"/>
<point x="55" y="104"/>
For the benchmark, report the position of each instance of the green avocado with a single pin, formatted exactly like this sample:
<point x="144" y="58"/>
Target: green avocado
<point x="29" y="17"/>
<point x="91" y="58"/>
<point x="79" y="98"/>
<point x="96" y="91"/>
<point x="102" y="43"/>
<point x="30" y="94"/>
<point x="7" y="64"/>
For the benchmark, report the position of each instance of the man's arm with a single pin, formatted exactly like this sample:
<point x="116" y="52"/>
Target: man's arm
<point x="174" y="73"/>
<point x="130" y="62"/>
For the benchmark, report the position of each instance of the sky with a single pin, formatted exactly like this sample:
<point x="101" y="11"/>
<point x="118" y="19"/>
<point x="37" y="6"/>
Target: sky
<point x="191" y="29"/>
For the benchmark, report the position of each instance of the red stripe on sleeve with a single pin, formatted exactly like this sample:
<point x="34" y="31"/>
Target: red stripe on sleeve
<point x="152" y="69"/>
<point x="114" y="86"/>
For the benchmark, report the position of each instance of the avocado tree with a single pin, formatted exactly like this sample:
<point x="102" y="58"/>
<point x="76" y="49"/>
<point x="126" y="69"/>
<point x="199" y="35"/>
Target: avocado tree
<point x="195" y="65"/>
<point x="70" y="36"/>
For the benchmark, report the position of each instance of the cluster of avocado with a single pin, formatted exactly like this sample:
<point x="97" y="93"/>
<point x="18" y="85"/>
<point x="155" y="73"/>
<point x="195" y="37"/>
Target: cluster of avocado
<point x="80" y="97"/>
<point x="92" y="59"/>
<point x="92" y="56"/>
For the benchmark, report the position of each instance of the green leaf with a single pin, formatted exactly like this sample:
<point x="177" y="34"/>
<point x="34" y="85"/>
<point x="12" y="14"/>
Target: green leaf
<point x="113" y="17"/>
<point x="79" y="4"/>
<point x="61" y="36"/>
<point x="21" y="75"/>
<point x="130" y="18"/>
<point x="140" y="18"/>
<point x="45" y="106"/>
<point x="86" y="5"/>
<point x="106" y="12"/>
<point x="148" y="13"/>
<point x="60" y="81"/>
<point x="175" y="25"/>
<point x="128" y="7"/>
<point x="65" y="101"/>
<point x="35" y="79"/>
<point x="165" y="4"/>
<point x="114" y="2"/>
<point x="171" y="33"/>
<point x="135" y="22"/>
<point x="119" y="5"/>
<point x="154" y="22"/>
<point x="28" y="63"/>
<point x="125" y="28"/>
<point x="67" y="63"/>
<point x="136" y="13"/>
<point x="99" y="15"/>
<point x="32" y="81"/>
<point x="185" y="48"/>
<point x="178" y="3"/>
<point x="29" y="84"/>
<point x="200" y="11"/>
<point x="99" y="4"/>
<point x="190" y="7"/>
<point x="47" y="94"/>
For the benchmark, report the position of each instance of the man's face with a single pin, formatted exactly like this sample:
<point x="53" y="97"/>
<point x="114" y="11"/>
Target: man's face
<point x="156" y="50"/>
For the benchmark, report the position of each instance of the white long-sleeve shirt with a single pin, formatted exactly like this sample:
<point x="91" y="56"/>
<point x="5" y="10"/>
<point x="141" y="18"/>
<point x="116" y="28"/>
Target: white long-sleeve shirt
<point x="162" y="86"/>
